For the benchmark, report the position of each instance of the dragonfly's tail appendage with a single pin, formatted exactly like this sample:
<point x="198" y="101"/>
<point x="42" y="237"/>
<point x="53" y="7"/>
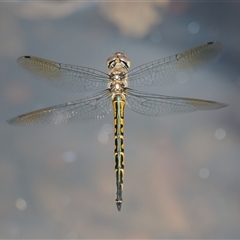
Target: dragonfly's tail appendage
<point x="119" y="196"/>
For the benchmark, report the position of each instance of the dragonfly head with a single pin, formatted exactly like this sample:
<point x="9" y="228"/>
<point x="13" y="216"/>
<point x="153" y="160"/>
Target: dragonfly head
<point x="118" y="57"/>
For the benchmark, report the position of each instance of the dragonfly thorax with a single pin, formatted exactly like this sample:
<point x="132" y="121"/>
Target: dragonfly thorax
<point x="117" y="73"/>
<point x="117" y="86"/>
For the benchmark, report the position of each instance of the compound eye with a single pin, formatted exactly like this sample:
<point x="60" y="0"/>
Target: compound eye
<point x="110" y="60"/>
<point x="127" y="64"/>
<point x="124" y="59"/>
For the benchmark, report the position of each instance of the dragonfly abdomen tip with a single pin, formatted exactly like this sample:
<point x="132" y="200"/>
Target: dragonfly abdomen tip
<point x="119" y="205"/>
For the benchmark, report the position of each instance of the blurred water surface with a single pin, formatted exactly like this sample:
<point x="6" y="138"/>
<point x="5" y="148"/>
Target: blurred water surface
<point x="182" y="172"/>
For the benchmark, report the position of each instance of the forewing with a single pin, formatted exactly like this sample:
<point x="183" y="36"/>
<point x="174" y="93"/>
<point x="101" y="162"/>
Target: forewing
<point x="90" y="108"/>
<point x="64" y="76"/>
<point x="159" y="105"/>
<point x="175" y="68"/>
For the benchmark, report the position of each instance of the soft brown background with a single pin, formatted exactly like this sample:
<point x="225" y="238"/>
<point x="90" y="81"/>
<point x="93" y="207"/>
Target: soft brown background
<point x="182" y="172"/>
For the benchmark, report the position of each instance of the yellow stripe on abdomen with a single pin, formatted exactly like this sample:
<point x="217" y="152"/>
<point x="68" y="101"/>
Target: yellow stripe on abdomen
<point x="118" y="109"/>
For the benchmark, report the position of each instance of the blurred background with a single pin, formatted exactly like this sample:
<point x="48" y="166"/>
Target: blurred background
<point x="181" y="172"/>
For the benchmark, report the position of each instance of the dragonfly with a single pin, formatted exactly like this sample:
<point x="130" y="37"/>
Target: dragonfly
<point x="117" y="92"/>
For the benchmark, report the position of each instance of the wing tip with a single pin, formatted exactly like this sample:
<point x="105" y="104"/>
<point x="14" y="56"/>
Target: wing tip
<point x="11" y="121"/>
<point x="18" y="121"/>
<point x="211" y="105"/>
<point x="214" y="42"/>
<point x="22" y="58"/>
<point x="14" y="121"/>
<point x="216" y="105"/>
<point x="222" y="105"/>
<point x="216" y="45"/>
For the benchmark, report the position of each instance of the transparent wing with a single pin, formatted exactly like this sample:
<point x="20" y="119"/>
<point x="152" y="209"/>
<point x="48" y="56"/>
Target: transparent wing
<point x="175" y="68"/>
<point x="64" y="76"/>
<point x="90" y="108"/>
<point x="159" y="105"/>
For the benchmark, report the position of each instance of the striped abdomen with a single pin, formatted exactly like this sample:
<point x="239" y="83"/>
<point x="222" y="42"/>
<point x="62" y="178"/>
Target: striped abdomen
<point x="118" y="109"/>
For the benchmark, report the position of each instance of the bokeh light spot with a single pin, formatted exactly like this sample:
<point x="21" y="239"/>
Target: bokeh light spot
<point x="69" y="156"/>
<point x="220" y="133"/>
<point x="103" y="137"/>
<point x="107" y="128"/>
<point x="204" y="173"/>
<point x="21" y="204"/>
<point x="193" y="27"/>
